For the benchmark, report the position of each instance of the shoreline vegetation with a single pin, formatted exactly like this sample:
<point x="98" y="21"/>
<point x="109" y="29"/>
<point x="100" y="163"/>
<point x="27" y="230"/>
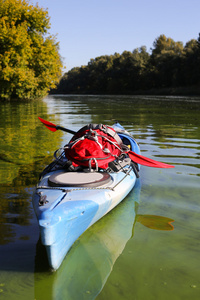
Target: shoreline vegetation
<point x="178" y="91"/>
<point x="173" y="91"/>
<point x="170" y="69"/>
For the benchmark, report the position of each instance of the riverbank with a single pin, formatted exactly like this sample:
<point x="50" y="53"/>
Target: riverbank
<point x="171" y="91"/>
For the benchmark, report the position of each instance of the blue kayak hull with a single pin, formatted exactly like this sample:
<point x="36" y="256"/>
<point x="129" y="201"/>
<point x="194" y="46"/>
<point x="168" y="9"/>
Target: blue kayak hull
<point x="70" y="211"/>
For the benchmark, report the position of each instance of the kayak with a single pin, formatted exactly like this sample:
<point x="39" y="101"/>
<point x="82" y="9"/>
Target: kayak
<point x="67" y="201"/>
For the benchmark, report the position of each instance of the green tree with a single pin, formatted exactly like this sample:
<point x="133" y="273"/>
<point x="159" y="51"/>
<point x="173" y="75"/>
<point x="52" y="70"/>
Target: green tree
<point x="164" y="45"/>
<point x="29" y="60"/>
<point x="191" y="65"/>
<point x="99" y="73"/>
<point x="166" y="61"/>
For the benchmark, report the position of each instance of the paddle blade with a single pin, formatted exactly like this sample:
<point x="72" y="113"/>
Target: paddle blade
<point x="148" y="162"/>
<point x="48" y="124"/>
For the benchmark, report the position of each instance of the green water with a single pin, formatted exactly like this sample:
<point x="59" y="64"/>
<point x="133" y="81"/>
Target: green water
<point x="118" y="257"/>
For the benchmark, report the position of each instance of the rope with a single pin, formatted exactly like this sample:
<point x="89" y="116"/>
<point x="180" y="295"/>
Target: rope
<point x="74" y="189"/>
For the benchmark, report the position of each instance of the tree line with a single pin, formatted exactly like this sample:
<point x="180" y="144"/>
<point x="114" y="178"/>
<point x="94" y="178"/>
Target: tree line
<point x="169" y="65"/>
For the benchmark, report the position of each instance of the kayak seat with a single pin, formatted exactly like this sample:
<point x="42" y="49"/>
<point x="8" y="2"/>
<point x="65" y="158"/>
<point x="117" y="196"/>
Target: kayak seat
<point x="79" y="179"/>
<point x="126" y="142"/>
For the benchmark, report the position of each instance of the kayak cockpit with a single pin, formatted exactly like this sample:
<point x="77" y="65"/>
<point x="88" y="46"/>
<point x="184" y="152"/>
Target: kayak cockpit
<point x="79" y="179"/>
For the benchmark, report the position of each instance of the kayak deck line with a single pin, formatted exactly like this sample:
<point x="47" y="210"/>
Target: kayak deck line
<point x="73" y="189"/>
<point x="126" y="174"/>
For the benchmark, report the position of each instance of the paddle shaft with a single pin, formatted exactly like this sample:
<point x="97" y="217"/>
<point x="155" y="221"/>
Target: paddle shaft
<point x="58" y="127"/>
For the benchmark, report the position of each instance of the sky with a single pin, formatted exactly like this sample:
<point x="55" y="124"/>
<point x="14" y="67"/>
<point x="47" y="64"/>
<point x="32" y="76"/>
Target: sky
<point x="86" y="29"/>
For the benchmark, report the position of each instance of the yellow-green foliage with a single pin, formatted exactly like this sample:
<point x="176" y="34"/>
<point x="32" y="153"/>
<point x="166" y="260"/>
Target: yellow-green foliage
<point x="29" y="60"/>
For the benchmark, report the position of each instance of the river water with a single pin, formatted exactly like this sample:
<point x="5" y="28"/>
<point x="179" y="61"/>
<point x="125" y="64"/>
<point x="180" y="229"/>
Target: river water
<point x="136" y="251"/>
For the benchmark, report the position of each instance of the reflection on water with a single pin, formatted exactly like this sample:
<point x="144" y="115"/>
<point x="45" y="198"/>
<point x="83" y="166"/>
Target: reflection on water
<point x="153" y="264"/>
<point x="24" y="151"/>
<point x="156" y="222"/>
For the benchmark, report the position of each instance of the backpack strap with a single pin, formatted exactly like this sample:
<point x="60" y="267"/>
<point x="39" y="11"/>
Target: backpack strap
<point x="111" y="132"/>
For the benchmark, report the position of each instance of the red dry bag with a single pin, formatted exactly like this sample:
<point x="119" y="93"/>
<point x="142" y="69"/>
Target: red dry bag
<point x="94" y="146"/>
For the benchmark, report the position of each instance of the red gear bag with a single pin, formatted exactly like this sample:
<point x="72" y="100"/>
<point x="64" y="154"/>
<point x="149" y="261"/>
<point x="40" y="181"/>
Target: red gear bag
<point x="94" y="146"/>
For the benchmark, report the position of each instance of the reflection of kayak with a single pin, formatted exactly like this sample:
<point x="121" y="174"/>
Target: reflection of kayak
<point x="67" y="202"/>
<point x="89" y="263"/>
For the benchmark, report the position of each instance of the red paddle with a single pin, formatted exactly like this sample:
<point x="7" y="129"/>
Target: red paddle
<point x="148" y="162"/>
<point x="54" y="127"/>
<point x="139" y="159"/>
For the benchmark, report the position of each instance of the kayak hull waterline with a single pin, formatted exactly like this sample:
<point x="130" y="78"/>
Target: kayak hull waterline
<point x="67" y="203"/>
